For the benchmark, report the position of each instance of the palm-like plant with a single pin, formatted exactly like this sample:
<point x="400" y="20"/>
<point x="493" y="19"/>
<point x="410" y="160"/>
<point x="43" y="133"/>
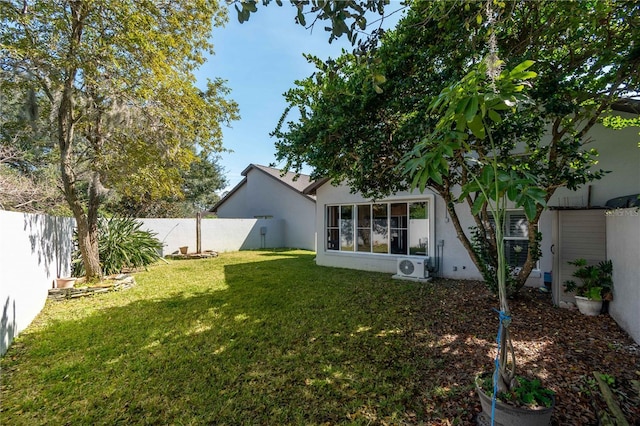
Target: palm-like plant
<point x="122" y="245"/>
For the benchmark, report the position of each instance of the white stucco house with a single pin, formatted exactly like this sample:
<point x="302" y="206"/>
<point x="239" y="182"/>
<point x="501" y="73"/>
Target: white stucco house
<point x="377" y="235"/>
<point x="264" y="193"/>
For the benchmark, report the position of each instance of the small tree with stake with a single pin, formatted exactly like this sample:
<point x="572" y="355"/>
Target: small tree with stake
<point x="467" y="107"/>
<point x="466" y="111"/>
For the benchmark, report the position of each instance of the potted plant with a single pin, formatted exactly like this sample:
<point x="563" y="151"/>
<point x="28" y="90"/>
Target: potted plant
<point x="527" y="403"/>
<point x="596" y="285"/>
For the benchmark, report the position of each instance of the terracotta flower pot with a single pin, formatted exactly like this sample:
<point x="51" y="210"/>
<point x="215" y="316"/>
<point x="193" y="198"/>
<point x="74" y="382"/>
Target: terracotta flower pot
<point x="183" y="250"/>
<point x="65" y="282"/>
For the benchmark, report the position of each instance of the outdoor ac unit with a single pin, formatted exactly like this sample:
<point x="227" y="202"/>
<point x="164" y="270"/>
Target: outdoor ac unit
<point x="413" y="267"/>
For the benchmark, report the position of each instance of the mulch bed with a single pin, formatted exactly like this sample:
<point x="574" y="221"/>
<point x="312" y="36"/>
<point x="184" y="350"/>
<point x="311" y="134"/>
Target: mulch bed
<point x="561" y="347"/>
<point x="186" y="256"/>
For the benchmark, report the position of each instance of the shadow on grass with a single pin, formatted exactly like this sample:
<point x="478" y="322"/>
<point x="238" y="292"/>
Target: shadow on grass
<point x="283" y="341"/>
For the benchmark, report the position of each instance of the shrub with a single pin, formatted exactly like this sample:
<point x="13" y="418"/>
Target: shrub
<point x="122" y="244"/>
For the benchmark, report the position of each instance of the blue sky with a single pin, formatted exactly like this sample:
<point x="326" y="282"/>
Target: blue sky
<point x="261" y="59"/>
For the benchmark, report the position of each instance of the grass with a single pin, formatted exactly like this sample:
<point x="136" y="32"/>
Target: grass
<point x="261" y="337"/>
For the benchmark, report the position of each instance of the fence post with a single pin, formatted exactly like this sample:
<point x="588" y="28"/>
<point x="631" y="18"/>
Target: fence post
<point x="198" y="232"/>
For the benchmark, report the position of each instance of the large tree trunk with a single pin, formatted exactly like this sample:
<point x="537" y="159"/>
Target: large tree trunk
<point x="87" y="228"/>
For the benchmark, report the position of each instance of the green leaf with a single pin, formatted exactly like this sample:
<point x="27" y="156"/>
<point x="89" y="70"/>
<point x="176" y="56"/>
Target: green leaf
<point x="478" y="204"/>
<point x="300" y="17"/>
<point x="461" y="107"/>
<point x="471" y="109"/>
<point x="243" y="15"/>
<point x="529" y="208"/>
<point x="250" y="6"/>
<point x="537" y="194"/>
<point x="525" y="75"/>
<point x="477" y="128"/>
<point x="461" y="123"/>
<point x="494" y="116"/>
<point x="379" y="78"/>
<point x="521" y="67"/>
<point x="448" y="149"/>
<point x="436" y="176"/>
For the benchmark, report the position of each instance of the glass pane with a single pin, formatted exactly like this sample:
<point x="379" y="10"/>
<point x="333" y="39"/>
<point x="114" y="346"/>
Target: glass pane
<point x="380" y="239"/>
<point x="399" y="215"/>
<point x="418" y="210"/>
<point x="364" y="240"/>
<point x="399" y="241"/>
<point x="516" y="252"/>
<point x="517" y="225"/>
<point x="333" y="236"/>
<point x="332" y="216"/>
<point x="346" y="228"/>
<point x="364" y="216"/>
<point x="418" y="229"/>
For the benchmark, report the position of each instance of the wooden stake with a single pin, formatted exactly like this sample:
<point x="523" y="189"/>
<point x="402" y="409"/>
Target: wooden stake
<point x="611" y="401"/>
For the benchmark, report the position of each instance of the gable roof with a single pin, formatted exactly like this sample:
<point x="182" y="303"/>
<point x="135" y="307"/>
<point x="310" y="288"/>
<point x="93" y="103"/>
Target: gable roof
<point x="288" y="179"/>
<point x="299" y="184"/>
<point x="311" y="189"/>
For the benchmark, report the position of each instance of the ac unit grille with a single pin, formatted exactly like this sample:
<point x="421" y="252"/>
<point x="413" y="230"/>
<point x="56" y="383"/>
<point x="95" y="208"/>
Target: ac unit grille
<point x="406" y="267"/>
<point x="413" y="267"/>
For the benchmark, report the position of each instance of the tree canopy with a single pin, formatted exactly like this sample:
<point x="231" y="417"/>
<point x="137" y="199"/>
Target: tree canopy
<point x="360" y="117"/>
<point x="346" y="17"/>
<point x="112" y="83"/>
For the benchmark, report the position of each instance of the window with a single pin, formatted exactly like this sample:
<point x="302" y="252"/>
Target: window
<point x="381" y="228"/>
<point x="516" y="238"/>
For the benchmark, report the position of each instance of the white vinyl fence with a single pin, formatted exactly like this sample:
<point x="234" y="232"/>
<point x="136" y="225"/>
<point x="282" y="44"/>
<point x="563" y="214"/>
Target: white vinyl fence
<point x="623" y="248"/>
<point x="34" y="251"/>
<point x="217" y="234"/>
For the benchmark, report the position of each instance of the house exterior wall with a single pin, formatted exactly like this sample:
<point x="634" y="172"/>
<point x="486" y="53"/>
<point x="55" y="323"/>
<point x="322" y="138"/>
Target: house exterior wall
<point x="454" y="262"/>
<point x="441" y="232"/>
<point x="34" y="251"/>
<point x="623" y="248"/>
<point x="262" y="195"/>
<point x="236" y="205"/>
<point x="618" y="151"/>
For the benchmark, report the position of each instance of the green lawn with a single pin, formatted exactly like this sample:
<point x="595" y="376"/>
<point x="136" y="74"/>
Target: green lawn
<point x="246" y="338"/>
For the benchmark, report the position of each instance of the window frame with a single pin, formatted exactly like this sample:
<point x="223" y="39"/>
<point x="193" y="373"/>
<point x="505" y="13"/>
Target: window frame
<point x="374" y="220"/>
<point x="509" y="239"/>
